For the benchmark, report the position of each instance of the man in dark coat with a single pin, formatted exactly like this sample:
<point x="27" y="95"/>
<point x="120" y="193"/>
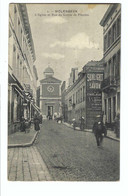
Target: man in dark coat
<point x="36" y="123"/>
<point x="98" y="130"/>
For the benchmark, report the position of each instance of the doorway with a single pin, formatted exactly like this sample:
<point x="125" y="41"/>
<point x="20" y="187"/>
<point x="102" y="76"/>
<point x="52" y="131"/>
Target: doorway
<point x="50" y="110"/>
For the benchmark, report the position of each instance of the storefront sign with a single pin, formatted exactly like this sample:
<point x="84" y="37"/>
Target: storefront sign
<point x="94" y="96"/>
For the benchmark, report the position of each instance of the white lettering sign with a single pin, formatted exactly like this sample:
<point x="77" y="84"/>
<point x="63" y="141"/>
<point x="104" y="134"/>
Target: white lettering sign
<point x="98" y="77"/>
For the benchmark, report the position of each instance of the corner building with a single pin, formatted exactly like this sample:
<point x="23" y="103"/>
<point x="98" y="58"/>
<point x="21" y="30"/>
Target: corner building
<point x="84" y="96"/>
<point x="111" y="23"/>
<point x="50" y="98"/>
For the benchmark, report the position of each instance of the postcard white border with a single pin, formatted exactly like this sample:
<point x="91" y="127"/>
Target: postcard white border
<point x="61" y="188"/>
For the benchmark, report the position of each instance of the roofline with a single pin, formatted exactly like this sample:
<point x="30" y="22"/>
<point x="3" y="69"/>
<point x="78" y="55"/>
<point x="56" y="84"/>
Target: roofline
<point x="58" y="81"/>
<point x="25" y="13"/>
<point x="107" y="14"/>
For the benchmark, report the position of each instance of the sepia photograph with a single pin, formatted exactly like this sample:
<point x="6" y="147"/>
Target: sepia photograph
<point x="64" y="65"/>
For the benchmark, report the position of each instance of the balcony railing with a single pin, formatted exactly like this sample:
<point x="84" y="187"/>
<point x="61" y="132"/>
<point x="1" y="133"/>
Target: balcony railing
<point x="109" y="83"/>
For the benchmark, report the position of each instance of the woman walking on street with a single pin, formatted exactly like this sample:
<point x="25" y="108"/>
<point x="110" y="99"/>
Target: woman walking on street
<point x="36" y="123"/>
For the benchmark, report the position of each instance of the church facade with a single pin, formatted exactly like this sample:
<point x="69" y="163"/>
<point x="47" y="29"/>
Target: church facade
<point x="50" y="96"/>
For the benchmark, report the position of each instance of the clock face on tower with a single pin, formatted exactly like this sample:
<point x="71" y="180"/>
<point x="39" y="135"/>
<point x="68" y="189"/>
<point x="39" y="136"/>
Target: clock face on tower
<point x="50" y="88"/>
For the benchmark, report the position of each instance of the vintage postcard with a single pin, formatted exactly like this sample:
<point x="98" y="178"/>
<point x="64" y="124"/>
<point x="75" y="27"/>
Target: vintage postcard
<point x="64" y="92"/>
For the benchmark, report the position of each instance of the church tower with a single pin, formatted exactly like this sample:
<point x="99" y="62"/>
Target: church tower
<point x="50" y="97"/>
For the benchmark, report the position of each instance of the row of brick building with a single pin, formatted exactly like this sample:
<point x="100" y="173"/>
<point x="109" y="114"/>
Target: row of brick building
<point x="22" y="73"/>
<point x="96" y="89"/>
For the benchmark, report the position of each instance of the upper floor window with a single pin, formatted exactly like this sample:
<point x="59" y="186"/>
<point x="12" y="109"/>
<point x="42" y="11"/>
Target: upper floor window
<point x="109" y="38"/>
<point x="105" y="42"/>
<point x="109" y="68"/>
<point x="114" y="32"/>
<point x="118" y="64"/>
<point x="118" y="26"/>
<point x="105" y="70"/>
<point x="114" y="64"/>
<point x="83" y="93"/>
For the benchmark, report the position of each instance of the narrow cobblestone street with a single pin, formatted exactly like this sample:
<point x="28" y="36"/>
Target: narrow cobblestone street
<point x="63" y="154"/>
<point x="73" y="155"/>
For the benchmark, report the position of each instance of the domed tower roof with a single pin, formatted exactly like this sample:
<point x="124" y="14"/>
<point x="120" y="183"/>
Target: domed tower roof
<point x="48" y="72"/>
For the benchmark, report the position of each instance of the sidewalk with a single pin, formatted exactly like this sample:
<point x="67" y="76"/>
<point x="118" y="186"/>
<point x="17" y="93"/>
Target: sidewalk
<point x="26" y="164"/>
<point x="22" y="139"/>
<point x="110" y="134"/>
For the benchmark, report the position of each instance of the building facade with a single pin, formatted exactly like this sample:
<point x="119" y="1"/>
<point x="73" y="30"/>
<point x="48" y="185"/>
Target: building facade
<point x="50" y="96"/>
<point x="22" y="73"/>
<point x="111" y="23"/>
<point x="84" y="98"/>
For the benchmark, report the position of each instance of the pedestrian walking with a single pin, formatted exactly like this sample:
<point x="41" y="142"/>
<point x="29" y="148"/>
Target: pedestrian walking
<point x="36" y="123"/>
<point x="99" y="130"/>
<point x="74" y="123"/>
<point x="82" y="123"/>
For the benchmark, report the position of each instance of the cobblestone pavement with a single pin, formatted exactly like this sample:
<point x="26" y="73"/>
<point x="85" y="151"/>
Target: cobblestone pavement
<point x="73" y="155"/>
<point x="26" y="164"/>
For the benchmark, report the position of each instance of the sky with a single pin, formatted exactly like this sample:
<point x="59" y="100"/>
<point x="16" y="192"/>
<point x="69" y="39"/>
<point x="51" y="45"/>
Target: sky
<point x="66" y="36"/>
